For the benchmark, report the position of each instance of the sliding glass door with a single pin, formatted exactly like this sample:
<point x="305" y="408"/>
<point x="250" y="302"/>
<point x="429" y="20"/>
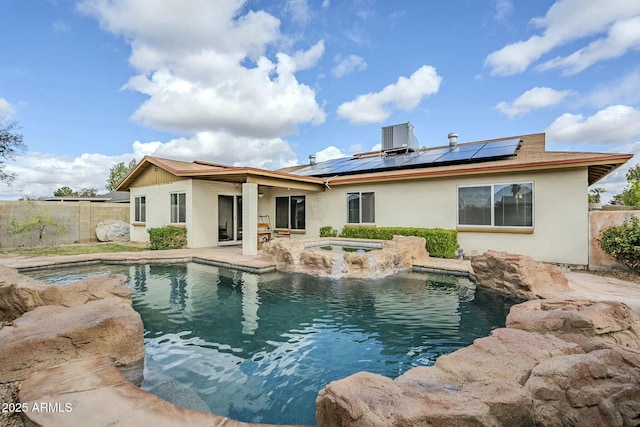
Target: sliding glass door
<point x="229" y="218"/>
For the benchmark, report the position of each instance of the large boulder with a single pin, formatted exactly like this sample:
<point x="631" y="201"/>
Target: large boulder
<point x="113" y="230"/>
<point x="91" y="392"/>
<point x="43" y="325"/>
<point x="20" y="294"/>
<point x="518" y="275"/>
<point x="569" y="366"/>
<point x="50" y="335"/>
<point x="601" y="388"/>
<point x="591" y="324"/>
<point x="371" y="400"/>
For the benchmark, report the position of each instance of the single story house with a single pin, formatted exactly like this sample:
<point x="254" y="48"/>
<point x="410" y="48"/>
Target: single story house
<point x="506" y="194"/>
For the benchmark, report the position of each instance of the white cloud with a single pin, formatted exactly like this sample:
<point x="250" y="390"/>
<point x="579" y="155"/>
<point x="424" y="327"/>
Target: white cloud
<point x="348" y="65"/>
<point x="404" y="95"/>
<point x="40" y="174"/>
<point x="60" y="27"/>
<point x="204" y="67"/>
<point x="325" y="4"/>
<point x="566" y="21"/>
<point x="6" y="109"/>
<point x="504" y="10"/>
<point x="613" y="125"/>
<point x="299" y="10"/>
<point x="222" y="147"/>
<point x="533" y="99"/>
<point x="623" y="90"/>
<point x="329" y="153"/>
<point x="622" y="37"/>
<point x="309" y="58"/>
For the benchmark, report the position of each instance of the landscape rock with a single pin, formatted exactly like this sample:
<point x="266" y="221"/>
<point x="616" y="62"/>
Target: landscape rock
<point x="92" y="288"/>
<point x="50" y="335"/>
<point x="113" y="230"/>
<point x="42" y="325"/>
<point x="601" y="388"/>
<point x="506" y="355"/>
<point x="519" y="276"/>
<point x="92" y="392"/>
<point x="307" y="256"/>
<point x="534" y="372"/>
<point x="591" y="324"/>
<point x="18" y="294"/>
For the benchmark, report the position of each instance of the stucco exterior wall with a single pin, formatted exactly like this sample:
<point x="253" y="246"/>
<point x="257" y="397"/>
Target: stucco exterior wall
<point x="560" y="212"/>
<point x="158" y="207"/>
<point x="600" y="221"/>
<point x="201" y="215"/>
<point x="561" y="221"/>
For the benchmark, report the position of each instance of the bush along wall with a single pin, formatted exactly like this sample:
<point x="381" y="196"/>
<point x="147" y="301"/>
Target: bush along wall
<point x="328" y="231"/>
<point x="440" y="243"/>
<point x="623" y="243"/>
<point x="168" y="237"/>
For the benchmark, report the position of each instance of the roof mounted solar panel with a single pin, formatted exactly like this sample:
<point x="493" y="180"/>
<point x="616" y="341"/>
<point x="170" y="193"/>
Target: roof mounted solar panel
<point x="459" y="154"/>
<point x="497" y="149"/>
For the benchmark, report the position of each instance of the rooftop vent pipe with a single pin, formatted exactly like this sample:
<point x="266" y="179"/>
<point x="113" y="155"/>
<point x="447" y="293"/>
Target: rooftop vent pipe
<point x="312" y="159"/>
<point x="453" y="140"/>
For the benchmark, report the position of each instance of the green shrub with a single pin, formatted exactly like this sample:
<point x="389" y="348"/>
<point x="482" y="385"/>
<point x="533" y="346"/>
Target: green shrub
<point x="169" y="237"/>
<point x="328" y="231"/>
<point x="623" y="243"/>
<point x="440" y="243"/>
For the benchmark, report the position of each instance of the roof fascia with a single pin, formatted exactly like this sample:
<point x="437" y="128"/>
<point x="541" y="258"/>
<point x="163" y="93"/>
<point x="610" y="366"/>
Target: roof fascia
<point x="619" y="159"/>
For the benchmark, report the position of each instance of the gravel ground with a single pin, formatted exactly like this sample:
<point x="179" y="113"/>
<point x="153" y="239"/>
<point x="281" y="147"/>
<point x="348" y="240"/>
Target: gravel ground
<point x="9" y="395"/>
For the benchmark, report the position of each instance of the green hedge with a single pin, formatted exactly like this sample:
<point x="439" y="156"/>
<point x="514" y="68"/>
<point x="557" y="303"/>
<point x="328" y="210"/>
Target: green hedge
<point x="440" y="243"/>
<point x="168" y="237"/>
<point x="328" y="231"/>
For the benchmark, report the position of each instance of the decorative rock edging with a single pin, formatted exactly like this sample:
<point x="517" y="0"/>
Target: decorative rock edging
<point x="580" y="366"/>
<point x="603" y="356"/>
<point x="388" y="256"/>
<point x="93" y="392"/>
<point x="518" y="276"/>
<point x="45" y="325"/>
<point x="558" y="362"/>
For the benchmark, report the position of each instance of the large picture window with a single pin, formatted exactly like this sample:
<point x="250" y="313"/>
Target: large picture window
<point x="291" y="212"/>
<point x="178" y="208"/>
<point x="140" y="207"/>
<point x="496" y="205"/>
<point x="361" y="208"/>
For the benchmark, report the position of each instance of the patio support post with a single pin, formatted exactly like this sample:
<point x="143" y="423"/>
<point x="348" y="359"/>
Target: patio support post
<point x="249" y="218"/>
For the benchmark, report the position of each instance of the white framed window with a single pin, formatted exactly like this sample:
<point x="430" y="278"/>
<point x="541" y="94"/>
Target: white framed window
<point x="291" y="212"/>
<point x="361" y="207"/>
<point x="496" y="205"/>
<point x="178" y="208"/>
<point x="140" y="209"/>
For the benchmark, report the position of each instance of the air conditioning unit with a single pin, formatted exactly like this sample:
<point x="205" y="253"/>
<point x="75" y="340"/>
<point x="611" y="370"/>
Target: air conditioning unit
<point x="398" y="137"/>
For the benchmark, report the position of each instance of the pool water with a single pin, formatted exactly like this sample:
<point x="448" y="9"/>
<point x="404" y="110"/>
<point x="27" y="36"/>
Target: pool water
<point x="258" y="348"/>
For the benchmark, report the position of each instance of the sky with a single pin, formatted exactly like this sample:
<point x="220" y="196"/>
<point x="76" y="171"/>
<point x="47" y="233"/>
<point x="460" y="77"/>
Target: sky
<point x="265" y="83"/>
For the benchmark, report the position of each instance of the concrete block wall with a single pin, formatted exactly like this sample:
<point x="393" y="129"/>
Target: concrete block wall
<point x="78" y="218"/>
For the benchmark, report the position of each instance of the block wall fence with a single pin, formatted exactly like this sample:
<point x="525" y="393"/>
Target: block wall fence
<point x="79" y="219"/>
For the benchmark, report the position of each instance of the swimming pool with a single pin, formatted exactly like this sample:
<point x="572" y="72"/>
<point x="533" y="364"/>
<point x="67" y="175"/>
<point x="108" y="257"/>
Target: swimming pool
<point x="258" y="348"/>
